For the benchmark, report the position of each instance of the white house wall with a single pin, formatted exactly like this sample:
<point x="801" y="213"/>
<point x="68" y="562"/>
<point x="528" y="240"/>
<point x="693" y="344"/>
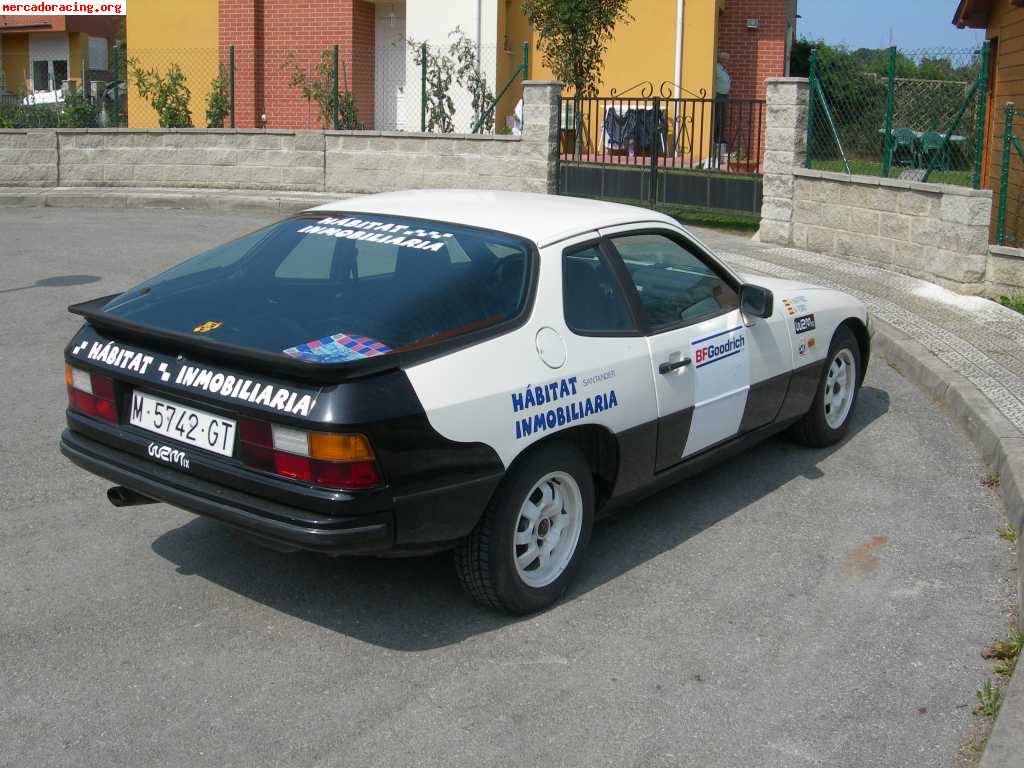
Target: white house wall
<point x="433" y="21"/>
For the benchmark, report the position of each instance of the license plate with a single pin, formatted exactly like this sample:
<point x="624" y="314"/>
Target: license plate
<point x="184" y="424"/>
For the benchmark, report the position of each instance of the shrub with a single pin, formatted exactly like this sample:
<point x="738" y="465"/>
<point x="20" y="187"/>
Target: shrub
<point x="217" y="108"/>
<point x="169" y="95"/>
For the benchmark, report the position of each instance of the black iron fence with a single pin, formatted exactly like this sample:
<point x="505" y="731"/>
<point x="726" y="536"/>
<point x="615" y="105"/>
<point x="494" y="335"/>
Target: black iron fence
<point x="663" y="149"/>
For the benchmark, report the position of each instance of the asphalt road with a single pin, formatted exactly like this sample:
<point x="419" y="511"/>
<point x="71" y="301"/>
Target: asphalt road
<point x="793" y="607"/>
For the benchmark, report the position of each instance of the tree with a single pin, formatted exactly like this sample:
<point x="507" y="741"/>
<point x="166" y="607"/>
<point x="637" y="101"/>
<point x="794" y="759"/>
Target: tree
<point x="573" y="36"/>
<point x="169" y="95"/>
<point x="319" y="88"/>
<point x="438" y="102"/>
<point x="217" y="107"/>
<point x="469" y="76"/>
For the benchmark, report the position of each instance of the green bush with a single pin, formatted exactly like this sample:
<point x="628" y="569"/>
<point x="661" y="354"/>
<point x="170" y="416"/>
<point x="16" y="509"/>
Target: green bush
<point x="217" y="108"/>
<point x="168" y="95"/>
<point x="36" y="116"/>
<point x="79" y="111"/>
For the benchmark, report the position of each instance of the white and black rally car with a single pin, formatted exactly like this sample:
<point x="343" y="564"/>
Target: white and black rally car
<point x="414" y="371"/>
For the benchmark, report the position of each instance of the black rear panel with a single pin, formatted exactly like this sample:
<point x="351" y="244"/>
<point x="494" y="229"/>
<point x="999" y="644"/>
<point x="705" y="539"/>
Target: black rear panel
<point x="413" y="457"/>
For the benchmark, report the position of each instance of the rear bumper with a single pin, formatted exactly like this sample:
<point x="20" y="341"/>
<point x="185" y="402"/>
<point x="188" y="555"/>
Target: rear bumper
<point x="369" y="531"/>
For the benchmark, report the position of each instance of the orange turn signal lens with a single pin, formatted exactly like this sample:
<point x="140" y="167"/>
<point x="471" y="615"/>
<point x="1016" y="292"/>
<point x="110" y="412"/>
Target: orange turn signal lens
<point x="68" y="378"/>
<point x="328" y="447"/>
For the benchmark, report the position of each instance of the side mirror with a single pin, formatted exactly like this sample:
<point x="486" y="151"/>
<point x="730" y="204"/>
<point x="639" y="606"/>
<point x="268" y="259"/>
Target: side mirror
<point x="756" y="301"/>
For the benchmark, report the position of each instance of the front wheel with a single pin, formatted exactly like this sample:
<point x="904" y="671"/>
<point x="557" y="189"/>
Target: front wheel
<point x="829" y="418"/>
<point x="528" y="545"/>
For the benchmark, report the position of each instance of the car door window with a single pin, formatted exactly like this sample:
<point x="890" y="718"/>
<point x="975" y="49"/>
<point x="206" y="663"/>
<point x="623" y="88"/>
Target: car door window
<point x="674" y="285"/>
<point x="593" y="300"/>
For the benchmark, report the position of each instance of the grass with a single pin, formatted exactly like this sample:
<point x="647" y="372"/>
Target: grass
<point x="1006" y="653"/>
<point x="1015" y="303"/>
<point x="990" y="698"/>
<point x="874" y="168"/>
<point x="1007" y="533"/>
<point x="713" y="218"/>
<point x="990" y="480"/>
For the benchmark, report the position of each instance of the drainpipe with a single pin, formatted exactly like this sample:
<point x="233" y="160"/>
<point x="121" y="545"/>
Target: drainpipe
<point x="479" y="29"/>
<point x="677" y="76"/>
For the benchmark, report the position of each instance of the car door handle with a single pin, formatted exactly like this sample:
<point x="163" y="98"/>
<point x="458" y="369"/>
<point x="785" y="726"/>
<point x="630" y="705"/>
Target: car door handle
<point x="669" y="367"/>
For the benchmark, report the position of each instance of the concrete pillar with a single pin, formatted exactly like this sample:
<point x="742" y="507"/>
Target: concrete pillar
<point x="785" y="149"/>
<point x="541" y="100"/>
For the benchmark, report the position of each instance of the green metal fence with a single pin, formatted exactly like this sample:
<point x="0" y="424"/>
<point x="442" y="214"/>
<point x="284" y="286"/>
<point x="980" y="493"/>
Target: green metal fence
<point x="916" y="114"/>
<point x="1010" y="205"/>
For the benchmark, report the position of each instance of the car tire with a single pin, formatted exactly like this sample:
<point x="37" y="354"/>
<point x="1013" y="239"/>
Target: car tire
<point x="549" y="491"/>
<point x="829" y="417"/>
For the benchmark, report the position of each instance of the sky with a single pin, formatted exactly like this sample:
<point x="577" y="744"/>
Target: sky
<point x="869" y="23"/>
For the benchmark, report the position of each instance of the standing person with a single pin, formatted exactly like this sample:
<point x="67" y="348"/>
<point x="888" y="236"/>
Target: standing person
<point x="723" y="84"/>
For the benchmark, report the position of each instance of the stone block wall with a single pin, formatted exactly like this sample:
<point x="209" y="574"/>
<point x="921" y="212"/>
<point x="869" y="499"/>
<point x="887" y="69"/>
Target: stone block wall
<point x="198" y="158"/>
<point x="28" y="158"/>
<point x="362" y="161"/>
<point x="933" y="231"/>
<point x="293" y="161"/>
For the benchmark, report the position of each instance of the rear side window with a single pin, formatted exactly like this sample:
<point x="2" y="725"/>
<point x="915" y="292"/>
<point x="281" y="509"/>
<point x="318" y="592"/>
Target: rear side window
<point x="592" y="298"/>
<point x="340" y="287"/>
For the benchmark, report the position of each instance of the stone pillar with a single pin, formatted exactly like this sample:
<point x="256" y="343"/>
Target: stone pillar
<point x="540" y="125"/>
<point x="785" y="149"/>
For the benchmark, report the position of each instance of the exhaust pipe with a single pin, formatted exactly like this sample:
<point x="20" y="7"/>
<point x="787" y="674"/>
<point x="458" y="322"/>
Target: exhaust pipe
<point x="120" y="496"/>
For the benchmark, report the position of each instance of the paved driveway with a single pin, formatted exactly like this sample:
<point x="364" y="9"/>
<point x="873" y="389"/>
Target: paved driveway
<point x="793" y="607"/>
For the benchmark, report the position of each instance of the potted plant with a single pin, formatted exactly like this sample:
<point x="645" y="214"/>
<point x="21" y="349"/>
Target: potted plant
<point x="739" y="162"/>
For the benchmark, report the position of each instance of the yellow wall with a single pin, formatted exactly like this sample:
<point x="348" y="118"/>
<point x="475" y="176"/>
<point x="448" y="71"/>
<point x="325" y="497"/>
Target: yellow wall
<point x="644" y="50"/>
<point x="512" y="22"/>
<point x="15" y="61"/>
<point x="78" y="51"/>
<point x="182" y="32"/>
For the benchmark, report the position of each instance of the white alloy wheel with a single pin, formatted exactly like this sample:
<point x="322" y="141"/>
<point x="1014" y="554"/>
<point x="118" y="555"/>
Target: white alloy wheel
<point x="548" y="529"/>
<point x="840" y="386"/>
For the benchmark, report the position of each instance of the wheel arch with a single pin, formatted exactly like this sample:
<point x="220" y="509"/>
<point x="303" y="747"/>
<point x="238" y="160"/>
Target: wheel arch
<point x="599" y="446"/>
<point x="860" y="332"/>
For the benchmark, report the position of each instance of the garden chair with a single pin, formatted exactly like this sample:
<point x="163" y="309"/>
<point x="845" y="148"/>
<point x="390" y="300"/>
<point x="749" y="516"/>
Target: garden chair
<point x="932" y="146"/>
<point x="903" y="150"/>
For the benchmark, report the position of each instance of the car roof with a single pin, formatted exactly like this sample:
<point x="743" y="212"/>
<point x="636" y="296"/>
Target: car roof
<point x="544" y="219"/>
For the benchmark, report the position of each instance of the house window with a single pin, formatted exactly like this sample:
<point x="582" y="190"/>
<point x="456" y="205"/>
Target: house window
<point x="48" y="75"/>
<point x="40" y="75"/>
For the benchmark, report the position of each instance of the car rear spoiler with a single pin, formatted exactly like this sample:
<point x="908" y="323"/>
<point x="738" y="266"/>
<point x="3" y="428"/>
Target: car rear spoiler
<point x="278" y="364"/>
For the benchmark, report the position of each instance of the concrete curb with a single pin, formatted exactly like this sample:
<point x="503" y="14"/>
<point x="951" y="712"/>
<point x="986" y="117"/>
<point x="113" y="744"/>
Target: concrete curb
<point x="188" y="199"/>
<point x="1002" y="447"/>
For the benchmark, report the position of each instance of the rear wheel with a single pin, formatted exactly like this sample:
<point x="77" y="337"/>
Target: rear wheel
<point x="527" y="548"/>
<point x="829" y="418"/>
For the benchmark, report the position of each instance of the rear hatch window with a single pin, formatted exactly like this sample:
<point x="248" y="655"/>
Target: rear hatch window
<point x="339" y="287"/>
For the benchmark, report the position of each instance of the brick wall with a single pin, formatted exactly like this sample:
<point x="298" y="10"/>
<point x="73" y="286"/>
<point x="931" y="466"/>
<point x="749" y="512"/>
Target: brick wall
<point x="274" y="37"/>
<point x="754" y="54"/>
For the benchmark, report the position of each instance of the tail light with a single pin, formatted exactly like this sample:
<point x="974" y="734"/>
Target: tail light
<point x="319" y="458"/>
<point x="91" y="393"/>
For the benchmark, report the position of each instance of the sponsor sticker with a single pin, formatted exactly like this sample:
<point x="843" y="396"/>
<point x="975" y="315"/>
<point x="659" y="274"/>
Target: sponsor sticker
<point x="804" y="323"/>
<point x="718" y="346"/>
<point x="195" y="377"/>
<point x="170" y="455"/>
<point x="338" y="348"/>
<point x="209" y="325"/>
<point x="375" y="231"/>
<point x="558" y="403"/>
